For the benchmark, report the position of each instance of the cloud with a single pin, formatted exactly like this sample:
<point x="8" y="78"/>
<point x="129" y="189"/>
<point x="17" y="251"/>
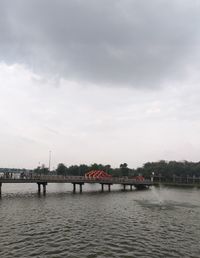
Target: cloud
<point x="93" y="124"/>
<point x="128" y="43"/>
<point x="81" y="45"/>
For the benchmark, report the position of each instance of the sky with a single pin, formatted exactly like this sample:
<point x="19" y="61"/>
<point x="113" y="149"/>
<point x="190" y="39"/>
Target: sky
<point x="108" y="81"/>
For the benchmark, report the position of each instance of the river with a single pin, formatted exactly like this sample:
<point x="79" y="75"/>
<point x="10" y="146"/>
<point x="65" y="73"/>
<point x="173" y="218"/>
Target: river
<point x="159" y="222"/>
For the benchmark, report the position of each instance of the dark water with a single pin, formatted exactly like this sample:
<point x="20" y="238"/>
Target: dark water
<point x="161" y="222"/>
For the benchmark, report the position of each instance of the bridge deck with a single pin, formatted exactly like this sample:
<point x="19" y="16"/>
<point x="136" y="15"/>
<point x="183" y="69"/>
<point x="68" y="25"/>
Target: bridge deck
<point x="75" y="179"/>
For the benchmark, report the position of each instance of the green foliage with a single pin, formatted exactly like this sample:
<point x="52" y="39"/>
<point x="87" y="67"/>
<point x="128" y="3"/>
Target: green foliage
<point x="168" y="169"/>
<point x="41" y="170"/>
<point x="61" y="169"/>
<point x="124" y="169"/>
<point x="162" y="168"/>
<point x="15" y="170"/>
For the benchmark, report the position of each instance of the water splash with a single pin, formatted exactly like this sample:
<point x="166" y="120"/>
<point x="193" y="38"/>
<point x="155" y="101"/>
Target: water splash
<point x="157" y="197"/>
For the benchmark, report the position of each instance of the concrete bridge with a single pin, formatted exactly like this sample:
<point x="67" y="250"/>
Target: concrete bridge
<point x="77" y="181"/>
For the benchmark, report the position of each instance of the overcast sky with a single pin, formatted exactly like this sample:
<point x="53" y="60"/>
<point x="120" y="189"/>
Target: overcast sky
<point x="105" y="81"/>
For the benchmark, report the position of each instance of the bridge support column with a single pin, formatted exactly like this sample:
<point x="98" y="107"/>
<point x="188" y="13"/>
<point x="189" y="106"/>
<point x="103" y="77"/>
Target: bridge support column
<point x="39" y="188"/>
<point x="44" y="188"/>
<point x="0" y="188"/>
<point x="74" y="188"/>
<point x="44" y="184"/>
<point x="81" y="188"/>
<point x="102" y="187"/>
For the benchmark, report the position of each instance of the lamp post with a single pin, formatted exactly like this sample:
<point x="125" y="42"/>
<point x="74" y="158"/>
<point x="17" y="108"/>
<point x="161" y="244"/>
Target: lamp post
<point x="49" y="161"/>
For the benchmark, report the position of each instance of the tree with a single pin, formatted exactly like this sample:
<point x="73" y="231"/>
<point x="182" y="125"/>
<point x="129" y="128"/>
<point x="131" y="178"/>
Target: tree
<point x="73" y="170"/>
<point x="83" y="169"/>
<point x="61" y="169"/>
<point x="94" y="166"/>
<point x="124" y="169"/>
<point x="41" y="170"/>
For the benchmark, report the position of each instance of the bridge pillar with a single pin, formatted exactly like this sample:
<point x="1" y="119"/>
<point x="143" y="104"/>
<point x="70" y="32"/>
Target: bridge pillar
<point x="74" y="188"/>
<point x="81" y="188"/>
<point x="0" y="188"/>
<point x="39" y="188"/>
<point x="44" y="187"/>
<point x="44" y="184"/>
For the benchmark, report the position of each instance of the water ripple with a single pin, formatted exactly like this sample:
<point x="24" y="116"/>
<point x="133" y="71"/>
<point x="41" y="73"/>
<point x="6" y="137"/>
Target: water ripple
<point x="132" y="224"/>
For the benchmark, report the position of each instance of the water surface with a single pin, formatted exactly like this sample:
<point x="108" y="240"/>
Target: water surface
<point x="161" y="222"/>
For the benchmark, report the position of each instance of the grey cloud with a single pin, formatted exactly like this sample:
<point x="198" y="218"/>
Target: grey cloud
<point x="133" y="43"/>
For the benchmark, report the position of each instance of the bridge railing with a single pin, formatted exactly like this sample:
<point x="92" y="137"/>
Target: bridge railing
<point x="60" y="178"/>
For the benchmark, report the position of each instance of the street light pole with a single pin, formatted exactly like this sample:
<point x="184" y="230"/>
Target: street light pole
<point x="49" y="160"/>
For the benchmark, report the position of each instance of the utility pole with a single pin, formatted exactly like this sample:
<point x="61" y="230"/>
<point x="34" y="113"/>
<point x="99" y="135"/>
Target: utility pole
<point x="49" y="161"/>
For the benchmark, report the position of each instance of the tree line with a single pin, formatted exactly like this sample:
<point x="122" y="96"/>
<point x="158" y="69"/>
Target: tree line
<point x="168" y="169"/>
<point x="162" y="168"/>
<point x="14" y="170"/>
<point x="81" y="170"/>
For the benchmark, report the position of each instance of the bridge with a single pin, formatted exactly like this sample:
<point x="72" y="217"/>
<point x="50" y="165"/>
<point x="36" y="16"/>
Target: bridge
<point x="44" y="180"/>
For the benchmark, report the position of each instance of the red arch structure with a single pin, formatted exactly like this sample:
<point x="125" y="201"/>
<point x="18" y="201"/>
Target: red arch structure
<point x="139" y="178"/>
<point x="97" y="174"/>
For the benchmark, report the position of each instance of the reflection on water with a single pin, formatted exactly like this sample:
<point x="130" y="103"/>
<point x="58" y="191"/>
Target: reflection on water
<point x="160" y="222"/>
